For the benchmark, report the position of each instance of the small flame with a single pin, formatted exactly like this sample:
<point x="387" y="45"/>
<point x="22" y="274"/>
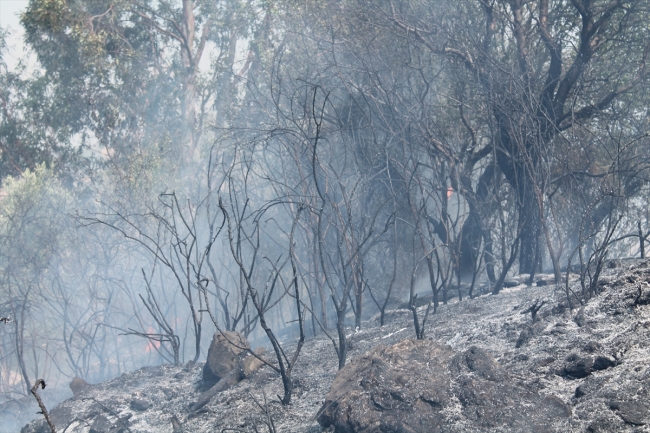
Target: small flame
<point x="450" y="191"/>
<point x="152" y="344"/>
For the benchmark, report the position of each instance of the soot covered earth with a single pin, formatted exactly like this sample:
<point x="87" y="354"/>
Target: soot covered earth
<point x="581" y="369"/>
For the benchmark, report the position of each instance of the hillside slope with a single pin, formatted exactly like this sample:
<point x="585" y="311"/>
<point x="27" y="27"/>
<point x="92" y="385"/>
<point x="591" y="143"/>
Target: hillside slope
<point x="594" y="358"/>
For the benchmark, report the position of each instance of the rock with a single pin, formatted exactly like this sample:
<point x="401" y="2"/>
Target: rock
<point x="223" y="355"/>
<point x="581" y="391"/>
<point x="578" y="366"/>
<point x="78" y="385"/>
<point x="631" y="412"/>
<point x="412" y="385"/>
<point x="510" y="283"/>
<point x="603" y="425"/>
<point x="590" y="386"/>
<point x="251" y="363"/>
<point x="556" y="408"/>
<point x="479" y="362"/>
<point x="139" y="405"/>
<point x="380" y="388"/>
<point x="603" y="362"/>
<point x="100" y="424"/>
<point x="62" y="415"/>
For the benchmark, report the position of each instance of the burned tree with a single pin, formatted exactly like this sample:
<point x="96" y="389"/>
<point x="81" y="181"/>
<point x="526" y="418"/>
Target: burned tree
<point x="538" y="78"/>
<point x="246" y="249"/>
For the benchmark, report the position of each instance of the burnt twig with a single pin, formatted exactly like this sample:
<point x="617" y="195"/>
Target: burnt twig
<point x="267" y="414"/>
<point x="34" y="390"/>
<point x="533" y="309"/>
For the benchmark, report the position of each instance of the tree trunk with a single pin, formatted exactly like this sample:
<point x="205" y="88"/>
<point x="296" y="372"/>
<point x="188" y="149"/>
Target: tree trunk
<point x="359" y="301"/>
<point x="470" y="243"/>
<point x="432" y="280"/>
<point x="474" y="233"/>
<point x="519" y="162"/>
<point x="340" y="327"/>
<point x="188" y="98"/>
<point x="530" y="258"/>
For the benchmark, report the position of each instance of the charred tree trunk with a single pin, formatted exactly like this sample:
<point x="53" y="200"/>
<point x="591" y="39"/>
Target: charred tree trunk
<point x="529" y="244"/>
<point x="340" y="328"/>
<point x="474" y="232"/>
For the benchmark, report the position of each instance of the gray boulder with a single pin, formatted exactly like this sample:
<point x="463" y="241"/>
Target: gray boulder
<point x="139" y="405"/>
<point x="78" y="386"/>
<point x="603" y="362"/>
<point x="578" y="366"/>
<point x="415" y="385"/>
<point x="223" y="355"/>
<point x="632" y="412"/>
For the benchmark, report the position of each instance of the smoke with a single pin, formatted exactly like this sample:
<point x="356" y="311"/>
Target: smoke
<point x="349" y="155"/>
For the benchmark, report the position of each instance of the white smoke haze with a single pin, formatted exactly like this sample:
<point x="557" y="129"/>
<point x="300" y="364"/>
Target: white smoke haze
<point x="172" y="169"/>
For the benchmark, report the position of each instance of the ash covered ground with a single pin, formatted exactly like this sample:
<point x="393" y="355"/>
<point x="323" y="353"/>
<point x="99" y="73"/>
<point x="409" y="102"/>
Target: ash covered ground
<point x="595" y="358"/>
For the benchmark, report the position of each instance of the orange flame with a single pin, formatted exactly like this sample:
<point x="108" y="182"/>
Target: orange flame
<point x="152" y="344"/>
<point x="450" y="191"/>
